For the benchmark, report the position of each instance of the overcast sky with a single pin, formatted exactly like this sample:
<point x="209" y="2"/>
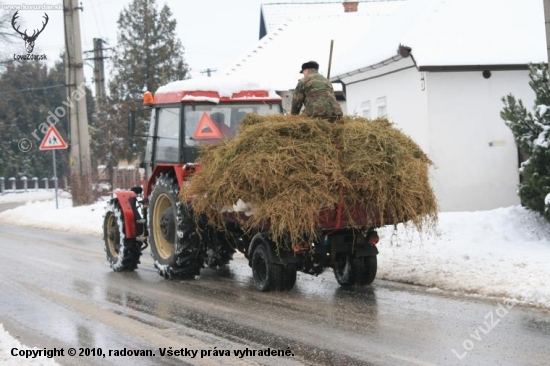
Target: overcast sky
<point x="214" y="32"/>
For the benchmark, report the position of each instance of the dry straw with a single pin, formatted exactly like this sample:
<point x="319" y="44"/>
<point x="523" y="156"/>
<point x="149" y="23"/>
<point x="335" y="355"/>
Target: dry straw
<point x="291" y="168"/>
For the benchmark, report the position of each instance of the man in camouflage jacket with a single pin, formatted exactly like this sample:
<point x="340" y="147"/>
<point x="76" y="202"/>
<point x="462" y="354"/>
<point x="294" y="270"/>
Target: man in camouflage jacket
<point x="316" y="93"/>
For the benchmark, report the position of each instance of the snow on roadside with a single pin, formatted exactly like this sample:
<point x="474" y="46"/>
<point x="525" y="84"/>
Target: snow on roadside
<point x="85" y="220"/>
<point x="22" y="196"/>
<point x="502" y="253"/>
<point x="7" y="343"/>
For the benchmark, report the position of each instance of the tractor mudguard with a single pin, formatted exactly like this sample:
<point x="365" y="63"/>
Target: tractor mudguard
<point x="127" y="200"/>
<point x="180" y="172"/>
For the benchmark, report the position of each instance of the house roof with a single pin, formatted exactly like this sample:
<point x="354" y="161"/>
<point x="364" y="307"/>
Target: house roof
<point x="276" y="58"/>
<point x="445" y="34"/>
<point x="275" y="15"/>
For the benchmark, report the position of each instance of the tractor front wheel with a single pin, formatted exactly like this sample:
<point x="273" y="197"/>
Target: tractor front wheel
<point x="122" y="253"/>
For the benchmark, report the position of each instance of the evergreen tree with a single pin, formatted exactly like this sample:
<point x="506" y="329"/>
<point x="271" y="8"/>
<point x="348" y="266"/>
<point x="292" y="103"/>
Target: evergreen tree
<point x="148" y="55"/>
<point x="29" y="91"/>
<point x="532" y="133"/>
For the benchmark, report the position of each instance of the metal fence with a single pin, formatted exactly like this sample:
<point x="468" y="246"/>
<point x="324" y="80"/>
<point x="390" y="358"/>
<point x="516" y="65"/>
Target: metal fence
<point x="13" y="184"/>
<point x="123" y="178"/>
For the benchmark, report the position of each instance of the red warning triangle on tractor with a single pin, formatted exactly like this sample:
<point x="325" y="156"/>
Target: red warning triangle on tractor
<point x="207" y="129"/>
<point x="53" y="140"/>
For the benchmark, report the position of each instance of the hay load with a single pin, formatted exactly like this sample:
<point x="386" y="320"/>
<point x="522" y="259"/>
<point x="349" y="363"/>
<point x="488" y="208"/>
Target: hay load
<point x="282" y="171"/>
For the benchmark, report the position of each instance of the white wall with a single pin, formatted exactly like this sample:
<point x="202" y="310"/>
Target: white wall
<point x="464" y="118"/>
<point x="454" y="119"/>
<point x="406" y="104"/>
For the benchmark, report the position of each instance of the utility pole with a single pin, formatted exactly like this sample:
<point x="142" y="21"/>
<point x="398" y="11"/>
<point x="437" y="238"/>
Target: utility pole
<point x="547" y="26"/>
<point x="208" y="71"/>
<point x="99" y="67"/>
<point x="79" y="153"/>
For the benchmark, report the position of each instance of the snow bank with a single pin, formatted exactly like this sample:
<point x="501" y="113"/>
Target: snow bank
<point x="85" y="220"/>
<point x="501" y="253"/>
<point x="7" y="342"/>
<point x="21" y="196"/>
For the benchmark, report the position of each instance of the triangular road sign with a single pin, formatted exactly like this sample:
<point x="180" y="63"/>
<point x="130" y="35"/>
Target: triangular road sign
<point x="53" y="140"/>
<point x="206" y="129"/>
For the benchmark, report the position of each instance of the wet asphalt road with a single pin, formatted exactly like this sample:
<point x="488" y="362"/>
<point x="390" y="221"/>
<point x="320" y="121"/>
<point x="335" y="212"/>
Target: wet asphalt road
<point x="57" y="290"/>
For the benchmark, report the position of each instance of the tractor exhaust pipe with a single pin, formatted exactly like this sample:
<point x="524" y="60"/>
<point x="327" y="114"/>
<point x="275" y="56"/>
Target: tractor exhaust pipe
<point x="330" y="58"/>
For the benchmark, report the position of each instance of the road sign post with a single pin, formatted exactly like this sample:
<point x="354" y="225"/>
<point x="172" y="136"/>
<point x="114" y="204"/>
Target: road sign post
<point x="53" y="141"/>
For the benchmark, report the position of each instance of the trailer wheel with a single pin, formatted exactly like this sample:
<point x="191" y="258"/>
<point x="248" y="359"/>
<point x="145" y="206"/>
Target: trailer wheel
<point x="175" y="245"/>
<point x="271" y="276"/>
<point x="122" y="253"/>
<point x="289" y="277"/>
<point x="355" y="271"/>
<point x="364" y="270"/>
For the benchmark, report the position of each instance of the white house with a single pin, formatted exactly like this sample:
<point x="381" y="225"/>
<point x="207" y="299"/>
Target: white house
<point x="437" y="68"/>
<point x="439" y="72"/>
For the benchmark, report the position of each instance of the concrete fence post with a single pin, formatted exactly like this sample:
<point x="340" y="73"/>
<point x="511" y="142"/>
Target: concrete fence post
<point x="35" y="183"/>
<point x="46" y="183"/>
<point x="2" y="185"/>
<point x="65" y="183"/>
<point x="25" y="183"/>
<point x="12" y="180"/>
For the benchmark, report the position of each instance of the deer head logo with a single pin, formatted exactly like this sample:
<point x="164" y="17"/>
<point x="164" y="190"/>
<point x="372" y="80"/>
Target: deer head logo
<point x="29" y="40"/>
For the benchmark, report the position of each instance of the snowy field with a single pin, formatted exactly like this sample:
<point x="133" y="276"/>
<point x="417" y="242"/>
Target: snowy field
<point x="502" y="253"/>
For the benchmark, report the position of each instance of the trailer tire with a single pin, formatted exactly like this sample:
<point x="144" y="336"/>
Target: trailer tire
<point x="122" y="253"/>
<point x="175" y="244"/>
<point x="269" y="275"/>
<point x="364" y="270"/>
<point x="356" y="271"/>
<point x="262" y="269"/>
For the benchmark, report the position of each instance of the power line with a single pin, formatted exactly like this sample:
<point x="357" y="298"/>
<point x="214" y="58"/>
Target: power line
<point x="30" y="89"/>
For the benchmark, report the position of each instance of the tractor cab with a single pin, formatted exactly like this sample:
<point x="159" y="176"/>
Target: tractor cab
<point x="188" y="114"/>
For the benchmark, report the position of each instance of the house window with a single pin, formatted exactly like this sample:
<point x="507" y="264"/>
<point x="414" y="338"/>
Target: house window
<point x="381" y="105"/>
<point x="365" y="109"/>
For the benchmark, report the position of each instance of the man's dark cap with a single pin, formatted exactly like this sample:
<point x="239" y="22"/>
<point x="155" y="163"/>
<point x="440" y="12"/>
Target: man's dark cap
<point x="309" y="65"/>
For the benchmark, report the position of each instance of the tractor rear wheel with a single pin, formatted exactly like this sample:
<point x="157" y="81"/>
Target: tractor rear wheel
<point x="175" y="245"/>
<point x="122" y="253"/>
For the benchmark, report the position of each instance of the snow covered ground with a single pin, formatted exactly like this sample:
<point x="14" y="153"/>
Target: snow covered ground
<point x="7" y="343"/>
<point x="86" y="220"/>
<point x="31" y="195"/>
<point x="502" y="253"/>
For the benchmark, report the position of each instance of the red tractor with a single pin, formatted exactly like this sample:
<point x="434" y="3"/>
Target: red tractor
<point x="184" y="115"/>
